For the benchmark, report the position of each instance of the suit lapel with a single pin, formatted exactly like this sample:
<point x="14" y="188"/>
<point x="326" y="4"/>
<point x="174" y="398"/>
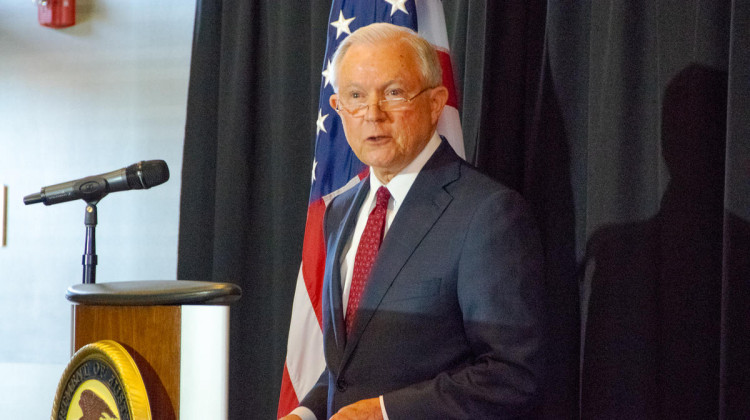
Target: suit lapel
<point x="337" y="245"/>
<point x="422" y="207"/>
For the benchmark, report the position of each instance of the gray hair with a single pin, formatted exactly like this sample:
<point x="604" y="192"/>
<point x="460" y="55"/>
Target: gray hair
<point x="427" y="58"/>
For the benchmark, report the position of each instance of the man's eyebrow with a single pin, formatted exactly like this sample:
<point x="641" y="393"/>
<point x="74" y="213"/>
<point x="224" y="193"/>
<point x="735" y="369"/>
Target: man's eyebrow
<point x="384" y="86"/>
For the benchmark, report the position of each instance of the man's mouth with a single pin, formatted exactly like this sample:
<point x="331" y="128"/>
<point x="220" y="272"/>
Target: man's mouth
<point x="377" y="138"/>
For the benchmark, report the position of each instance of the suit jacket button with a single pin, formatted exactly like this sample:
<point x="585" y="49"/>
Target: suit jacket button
<point x="341" y="385"/>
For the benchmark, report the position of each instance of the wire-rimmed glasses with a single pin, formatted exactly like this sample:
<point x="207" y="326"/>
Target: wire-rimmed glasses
<point x="356" y="104"/>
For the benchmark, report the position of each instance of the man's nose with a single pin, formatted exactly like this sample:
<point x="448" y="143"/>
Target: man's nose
<point x="374" y="112"/>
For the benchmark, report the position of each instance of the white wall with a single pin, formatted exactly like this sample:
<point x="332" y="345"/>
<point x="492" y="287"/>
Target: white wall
<point x="101" y="95"/>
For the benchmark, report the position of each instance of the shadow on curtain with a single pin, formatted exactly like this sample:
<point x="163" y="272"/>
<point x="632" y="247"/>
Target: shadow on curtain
<point x="652" y="336"/>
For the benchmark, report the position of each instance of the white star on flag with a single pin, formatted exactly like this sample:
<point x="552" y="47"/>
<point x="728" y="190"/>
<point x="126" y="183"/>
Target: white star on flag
<point x="315" y="165"/>
<point x="342" y="25"/>
<point x="319" y="123"/>
<point x="397" y="5"/>
<point x="326" y="74"/>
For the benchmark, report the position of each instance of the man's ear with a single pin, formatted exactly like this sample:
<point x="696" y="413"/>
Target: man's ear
<point x="333" y="101"/>
<point x="438" y="99"/>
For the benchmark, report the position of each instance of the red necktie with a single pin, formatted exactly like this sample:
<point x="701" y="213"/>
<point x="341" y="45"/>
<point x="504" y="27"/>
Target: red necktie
<point x="369" y="244"/>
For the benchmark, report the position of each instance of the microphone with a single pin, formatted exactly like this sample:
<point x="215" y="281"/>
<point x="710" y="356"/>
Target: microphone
<point x="138" y="176"/>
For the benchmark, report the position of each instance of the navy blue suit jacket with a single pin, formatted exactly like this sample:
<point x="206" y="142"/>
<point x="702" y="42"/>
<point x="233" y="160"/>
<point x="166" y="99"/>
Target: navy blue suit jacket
<point x="449" y="322"/>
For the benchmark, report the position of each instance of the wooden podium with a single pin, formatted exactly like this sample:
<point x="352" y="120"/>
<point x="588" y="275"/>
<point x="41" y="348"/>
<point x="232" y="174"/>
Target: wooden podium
<point x="177" y="332"/>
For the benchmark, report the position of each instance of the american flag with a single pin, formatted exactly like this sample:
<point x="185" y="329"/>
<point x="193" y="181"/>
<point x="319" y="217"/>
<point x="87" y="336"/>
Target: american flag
<point x="336" y="169"/>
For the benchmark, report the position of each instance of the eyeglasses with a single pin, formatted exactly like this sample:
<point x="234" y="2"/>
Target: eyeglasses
<point x="356" y="103"/>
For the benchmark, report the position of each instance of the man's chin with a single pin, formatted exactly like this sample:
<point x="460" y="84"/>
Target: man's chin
<point x="377" y="161"/>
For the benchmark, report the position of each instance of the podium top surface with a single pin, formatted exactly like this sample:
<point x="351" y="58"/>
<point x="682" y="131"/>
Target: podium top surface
<point x="154" y="292"/>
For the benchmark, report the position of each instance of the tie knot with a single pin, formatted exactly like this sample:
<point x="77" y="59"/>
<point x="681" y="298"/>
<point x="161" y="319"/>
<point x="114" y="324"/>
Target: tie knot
<point x="382" y="196"/>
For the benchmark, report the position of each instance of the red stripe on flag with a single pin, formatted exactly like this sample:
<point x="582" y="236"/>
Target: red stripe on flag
<point x="314" y="256"/>
<point x="445" y="63"/>
<point x="288" y="399"/>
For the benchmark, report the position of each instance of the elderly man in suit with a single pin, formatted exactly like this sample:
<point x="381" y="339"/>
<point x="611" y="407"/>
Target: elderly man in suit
<point x="441" y="320"/>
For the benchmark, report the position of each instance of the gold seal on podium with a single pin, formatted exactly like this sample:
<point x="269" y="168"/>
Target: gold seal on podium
<point x="101" y="381"/>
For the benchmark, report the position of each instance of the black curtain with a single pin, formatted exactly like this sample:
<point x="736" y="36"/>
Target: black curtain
<point x="254" y="83"/>
<point x="626" y="124"/>
<point x="643" y="89"/>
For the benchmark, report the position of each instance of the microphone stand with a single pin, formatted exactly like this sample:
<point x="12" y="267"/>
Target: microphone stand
<point x="89" y="255"/>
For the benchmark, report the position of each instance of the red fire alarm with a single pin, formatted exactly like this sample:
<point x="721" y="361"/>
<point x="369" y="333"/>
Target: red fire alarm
<point x="57" y="13"/>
